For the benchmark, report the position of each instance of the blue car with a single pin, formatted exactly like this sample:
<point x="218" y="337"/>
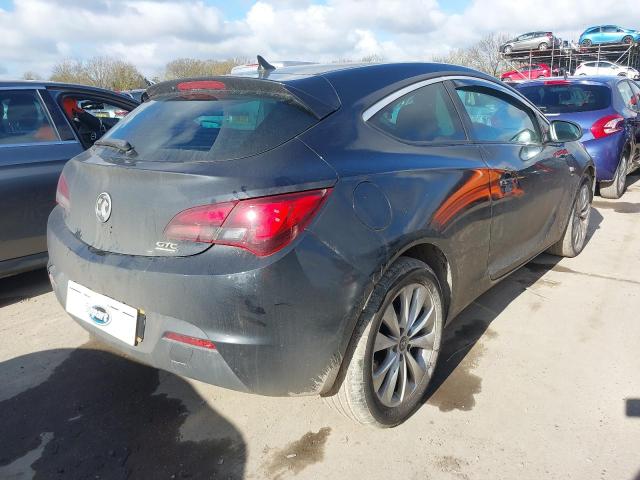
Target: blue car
<point x="604" y="34"/>
<point x="608" y="111"/>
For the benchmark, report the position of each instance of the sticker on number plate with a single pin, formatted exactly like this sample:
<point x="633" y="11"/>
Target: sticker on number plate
<point x="107" y="314"/>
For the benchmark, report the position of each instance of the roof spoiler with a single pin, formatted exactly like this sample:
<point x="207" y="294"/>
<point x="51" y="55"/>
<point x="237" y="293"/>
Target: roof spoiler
<point x="313" y="94"/>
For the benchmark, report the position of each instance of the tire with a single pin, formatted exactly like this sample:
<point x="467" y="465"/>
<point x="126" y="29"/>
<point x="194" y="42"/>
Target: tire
<point x="575" y="234"/>
<point x="543" y="46"/>
<point x="627" y="40"/>
<point x="362" y="399"/>
<point x="507" y="49"/>
<point x="586" y="43"/>
<point x="615" y="189"/>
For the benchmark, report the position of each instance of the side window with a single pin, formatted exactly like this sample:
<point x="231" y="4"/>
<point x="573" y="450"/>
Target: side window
<point x="635" y="101"/>
<point x="424" y="115"/>
<point x="495" y="117"/>
<point x="627" y="95"/>
<point x="23" y="119"/>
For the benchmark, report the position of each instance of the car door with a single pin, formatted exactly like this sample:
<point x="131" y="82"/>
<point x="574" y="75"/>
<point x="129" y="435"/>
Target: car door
<point x="91" y="114"/>
<point x="609" y="34"/>
<point x="530" y="178"/>
<point x="597" y="36"/>
<point x="528" y="42"/>
<point x="525" y="39"/>
<point x="630" y="94"/>
<point x="33" y="151"/>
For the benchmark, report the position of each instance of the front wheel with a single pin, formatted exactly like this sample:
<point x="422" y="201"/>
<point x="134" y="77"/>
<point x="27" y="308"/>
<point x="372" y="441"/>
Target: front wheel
<point x="397" y="342"/>
<point x="586" y="43"/>
<point x="575" y="234"/>
<point x="616" y="187"/>
<point x="507" y="49"/>
<point x="628" y="40"/>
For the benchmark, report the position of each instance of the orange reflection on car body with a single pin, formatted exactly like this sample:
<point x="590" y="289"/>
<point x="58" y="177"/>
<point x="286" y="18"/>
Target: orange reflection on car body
<point x="482" y="185"/>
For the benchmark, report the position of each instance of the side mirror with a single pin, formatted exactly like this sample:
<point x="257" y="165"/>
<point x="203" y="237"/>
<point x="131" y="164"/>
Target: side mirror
<point x="562" y="131"/>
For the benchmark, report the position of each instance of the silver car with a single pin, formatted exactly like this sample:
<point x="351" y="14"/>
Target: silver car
<point x="531" y="41"/>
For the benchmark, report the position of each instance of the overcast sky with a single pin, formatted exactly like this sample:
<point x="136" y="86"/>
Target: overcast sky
<point x="35" y="34"/>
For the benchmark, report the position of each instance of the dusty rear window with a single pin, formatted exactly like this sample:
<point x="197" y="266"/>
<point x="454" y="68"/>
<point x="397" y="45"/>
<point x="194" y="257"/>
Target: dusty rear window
<point x="207" y="127"/>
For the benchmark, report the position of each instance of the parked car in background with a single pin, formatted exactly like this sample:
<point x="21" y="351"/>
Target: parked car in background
<point x="102" y="110"/>
<point x="606" y="68"/>
<point x="136" y="94"/>
<point x="528" y="72"/>
<point x="603" y="34"/>
<point x="608" y="111"/>
<point x="42" y="125"/>
<point x="319" y="237"/>
<point x="531" y="41"/>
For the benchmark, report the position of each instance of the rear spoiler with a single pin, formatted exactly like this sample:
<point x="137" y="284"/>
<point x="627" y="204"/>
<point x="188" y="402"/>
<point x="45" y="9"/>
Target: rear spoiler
<point x="312" y="93"/>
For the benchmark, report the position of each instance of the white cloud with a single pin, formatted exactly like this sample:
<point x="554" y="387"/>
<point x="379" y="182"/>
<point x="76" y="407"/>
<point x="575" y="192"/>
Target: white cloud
<point x="38" y="33"/>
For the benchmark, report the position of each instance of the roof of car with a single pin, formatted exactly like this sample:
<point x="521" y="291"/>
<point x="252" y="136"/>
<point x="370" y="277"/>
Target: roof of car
<point x="4" y="84"/>
<point x="390" y="71"/>
<point x="601" y="79"/>
<point x="355" y="81"/>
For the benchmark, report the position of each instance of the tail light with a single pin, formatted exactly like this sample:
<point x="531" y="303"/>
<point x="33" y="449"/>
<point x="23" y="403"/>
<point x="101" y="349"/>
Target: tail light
<point x="607" y="126"/>
<point x="261" y="225"/>
<point x="62" y="193"/>
<point x="549" y="34"/>
<point x="120" y="113"/>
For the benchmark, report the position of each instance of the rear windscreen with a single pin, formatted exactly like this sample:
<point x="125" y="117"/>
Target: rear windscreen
<point x="205" y="127"/>
<point x="568" y="98"/>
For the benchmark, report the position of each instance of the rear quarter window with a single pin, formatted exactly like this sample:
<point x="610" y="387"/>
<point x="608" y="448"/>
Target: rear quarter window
<point x="423" y="115"/>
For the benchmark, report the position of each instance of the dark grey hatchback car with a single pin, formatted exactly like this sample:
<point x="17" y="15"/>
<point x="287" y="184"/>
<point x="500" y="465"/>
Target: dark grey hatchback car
<point x="42" y="125"/>
<point x="311" y="230"/>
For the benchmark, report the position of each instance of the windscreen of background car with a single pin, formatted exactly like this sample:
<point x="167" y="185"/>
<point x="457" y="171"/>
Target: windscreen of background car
<point x="204" y="127"/>
<point x="568" y="98"/>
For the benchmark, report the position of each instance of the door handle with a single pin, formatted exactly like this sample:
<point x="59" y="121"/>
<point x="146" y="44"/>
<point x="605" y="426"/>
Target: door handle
<point x="572" y="169"/>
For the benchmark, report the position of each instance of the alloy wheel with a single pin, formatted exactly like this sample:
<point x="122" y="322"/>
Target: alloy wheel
<point x="580" y="220"/>
<point x="404" y="345"/>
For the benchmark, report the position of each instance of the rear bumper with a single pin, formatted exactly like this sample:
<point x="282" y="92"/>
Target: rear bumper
<point x="606" y="154"/>
<point x="280" y="328"/>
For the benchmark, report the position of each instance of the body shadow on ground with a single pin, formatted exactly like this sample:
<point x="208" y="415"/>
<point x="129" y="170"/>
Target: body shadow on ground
<point x="99" y="416"/>
<point x="23" y="286"/>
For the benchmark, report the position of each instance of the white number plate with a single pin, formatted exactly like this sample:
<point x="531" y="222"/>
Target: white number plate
<point x="105" y="313"/>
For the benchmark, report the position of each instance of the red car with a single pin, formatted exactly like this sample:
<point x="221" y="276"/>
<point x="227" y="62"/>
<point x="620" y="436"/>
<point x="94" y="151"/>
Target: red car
<point x="529" y="72"/>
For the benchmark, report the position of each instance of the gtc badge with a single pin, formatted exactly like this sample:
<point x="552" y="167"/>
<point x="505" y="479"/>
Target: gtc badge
<point x="103" y="207"/>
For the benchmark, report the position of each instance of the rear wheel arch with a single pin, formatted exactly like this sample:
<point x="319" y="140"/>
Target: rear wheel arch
<point x="423" y="250"/>
<point x="437" y="260"/>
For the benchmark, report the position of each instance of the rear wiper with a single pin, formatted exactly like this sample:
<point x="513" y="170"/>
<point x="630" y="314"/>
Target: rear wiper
<point x="118" y="144"/>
